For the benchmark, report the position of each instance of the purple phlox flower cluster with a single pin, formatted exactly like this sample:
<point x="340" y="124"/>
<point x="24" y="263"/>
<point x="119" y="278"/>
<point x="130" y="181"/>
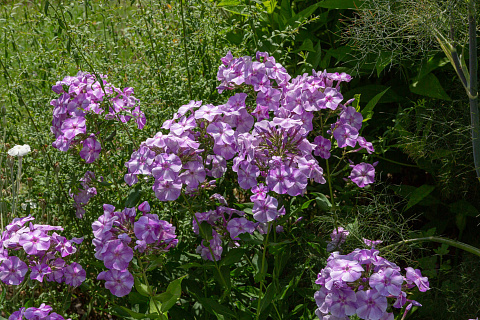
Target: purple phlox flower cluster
<point x="338" y="236"/>
<point x="81" y="95"/>
<point x="227" y="223"/>
<point x="82" y="197"/>
<point x="118" y="235"/>
<point x="45" y="254"/>
<point x="224" y="225"/>
<point x="364" y="284"/>
<point x="40" y="313"/>
<point x="267" y="138"/>
<point x="362" y="174"/>
<point x="372" y="243"/>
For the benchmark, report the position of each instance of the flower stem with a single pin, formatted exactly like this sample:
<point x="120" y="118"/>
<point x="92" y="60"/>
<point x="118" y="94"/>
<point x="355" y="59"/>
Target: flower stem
<point x="265" y="244"/>
<point x="453" y="243"/>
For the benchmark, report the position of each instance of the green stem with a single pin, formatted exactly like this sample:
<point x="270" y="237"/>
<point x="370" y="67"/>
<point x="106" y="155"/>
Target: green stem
<point x="473" y="86"/>
<point x="144" y="275"/>
<point x="265" y="244"/>
<point x="185" y="51"/>
<point x="395" y="162"/>
<point x="453" y="243"/>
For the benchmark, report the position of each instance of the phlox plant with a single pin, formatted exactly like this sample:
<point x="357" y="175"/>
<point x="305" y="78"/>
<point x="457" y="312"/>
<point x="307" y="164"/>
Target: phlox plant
<point x="274" y="135"/>
<point x="29" y="248"/>
<point x="43" y="312"/>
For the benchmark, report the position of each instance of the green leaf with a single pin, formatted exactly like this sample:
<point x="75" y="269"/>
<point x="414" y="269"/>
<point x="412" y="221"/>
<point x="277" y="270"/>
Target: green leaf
<point x="315" y="58"/>
<point x="137" y="315"/>
<point x="61" y="24"/>
<point x="69" y="44"/>
<point x="286" y="9"/>
<point x="133" y="197"/>
<point x="367" y="112"/>
<point x="261" y="273"/>
<point x="45" y="9"/>
<point x="306" y="204"/>
<point x="464" y="207"/>
<point x="322" y="201"/>
<point x="171" y="296"/>
<point x="305" y="13"/>
<point x="307" y="45"/>
<point x="268" y="297"/>
<point x="225" y="3"/>
<point x="341" y="53"/>
<point x="142" y="288"/>
<point x="442" y="250"/>
<point x="270" y="5"/>
<point x="214" y="307"/>
<point x="232" y="256"/>
<point x="417" y="196"/>
<point x="341" y="4"/>
<point x="438" y="60"/>
<point x="356" y="102"/>
<point x="206" y="230"/>
<point x="384" y="59"/>
<point x="429" y="86"/>
<point x="225" y="276"/>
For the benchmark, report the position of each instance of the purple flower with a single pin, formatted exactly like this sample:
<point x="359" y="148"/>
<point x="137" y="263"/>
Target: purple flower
<point x="221" y="132"/>
<point x="167" y="167"/>
<point x="338" y="236"/>
<point x="259" y="193"/>
<point x="363" y="143"/>
<point x="331" y="99"/>
<point x="342" y="302"/>
<point x="73" y="126"/>
<point x="265" y="210"/>
<point x="119" y="283"/>
<point x="34" y="242"/>
<point x="144" y="207"/>
<point x="280" y="179"/>
<point x="13" y="270"/>
<point x="322" y="148"/>
<point x="117" y="255"/>
<point x="371" y="305"/>
<point x="215" y="246"/>
<point x="91" y="149"/>
<point x="362" y="174"/>
<point x="167" y="190"/>
<point x="194" y="174"/>
<point x="346" y="135"/>
<point x="351" y="117"/>
<point x="39" y="271"/>
<point x="39" y="313"/>
<point x="372" y="243"/>
<point x="387" y="282"/>
<point x="346" y="270"/>
<point x="17" y="315"/>
<point x="74" y="274"/>
<point x="238" y="226"/>
<point x="147" y="228"/>
<point x="415" y="276"/>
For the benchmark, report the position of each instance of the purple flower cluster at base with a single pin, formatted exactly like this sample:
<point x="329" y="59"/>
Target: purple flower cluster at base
<point x="45" y="254"/>
<point x="40" y="313"/>
<point x="82" y="95"/>
<point x="364" y="284"/>
<point x="338" y="237"/>
<point x="117" y="236"/>
<point x="227" y="227"/>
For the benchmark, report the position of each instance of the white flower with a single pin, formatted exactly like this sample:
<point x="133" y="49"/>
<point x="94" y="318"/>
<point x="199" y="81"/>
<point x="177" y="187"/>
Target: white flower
<point x="19" y="150"/>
